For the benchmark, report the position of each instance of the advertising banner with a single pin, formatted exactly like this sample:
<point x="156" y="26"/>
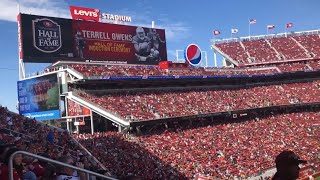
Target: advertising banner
<point x="47" y="39"/>
<point x="39" y="97"/>
<point x="75" y="109"/>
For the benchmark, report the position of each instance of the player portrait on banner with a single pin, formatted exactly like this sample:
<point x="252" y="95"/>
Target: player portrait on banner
<point x="147" y="46"/>
<point x="80" y="44"/>
<point x="155" y="39"/>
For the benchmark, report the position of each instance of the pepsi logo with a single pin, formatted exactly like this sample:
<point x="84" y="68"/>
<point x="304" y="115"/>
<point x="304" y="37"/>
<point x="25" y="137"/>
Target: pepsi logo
<point x="47" y="23"/>
<point x="193" y="54"/>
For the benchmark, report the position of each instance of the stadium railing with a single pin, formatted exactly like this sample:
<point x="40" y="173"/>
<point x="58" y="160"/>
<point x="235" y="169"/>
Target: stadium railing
<point x="88" y="173"/>
<point x="89" y="153"/>
<point x="60" y="130"/>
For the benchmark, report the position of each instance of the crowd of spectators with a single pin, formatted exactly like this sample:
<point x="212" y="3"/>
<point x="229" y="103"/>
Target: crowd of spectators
<point x="315" y="65"/>
<point x="288" y="48"/>
<point x="260" y="50"/>
<point x="117" y="70"/>
<point x="272" y="49"/>
<point x="182" y="150"/>
<point x="155" y="104"/>
<point x="293" y="67"/>
<point x="310" y="42"/>
<point x="21" y="133"/>
<point x="221" y="149"/>
<point x="114" y="70"/>
<point x="235" y="51"/>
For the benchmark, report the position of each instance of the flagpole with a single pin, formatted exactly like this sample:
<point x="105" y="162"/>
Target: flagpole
<point x="285" y="30"/>
<point x="18" y="7"/>
<point x="249" y="28"/>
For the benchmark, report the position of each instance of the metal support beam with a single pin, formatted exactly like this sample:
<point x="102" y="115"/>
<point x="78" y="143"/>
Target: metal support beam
<point x="91" y="120"/>
<point x="215" y="58"/>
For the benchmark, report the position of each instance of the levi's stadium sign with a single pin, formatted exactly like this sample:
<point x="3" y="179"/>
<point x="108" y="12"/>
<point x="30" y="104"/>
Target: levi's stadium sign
<point x="113" y="17"/>
<point x="90" y="14"/>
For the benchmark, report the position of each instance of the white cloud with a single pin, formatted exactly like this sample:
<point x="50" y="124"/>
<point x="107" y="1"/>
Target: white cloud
<point x="175" y="30"/>
<point x="9" y="8"/>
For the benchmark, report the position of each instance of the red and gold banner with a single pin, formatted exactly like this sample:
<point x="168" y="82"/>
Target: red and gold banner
<point x="103" y="41"/>
<point x="76" y="110"/>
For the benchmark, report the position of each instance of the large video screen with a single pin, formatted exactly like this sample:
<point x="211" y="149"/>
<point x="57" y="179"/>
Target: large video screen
<point x="39" y="97"/>
<point x="48" y="39"/>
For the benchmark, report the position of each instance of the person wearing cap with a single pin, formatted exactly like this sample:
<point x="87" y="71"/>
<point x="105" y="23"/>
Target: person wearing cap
<point x="287" y="164"/>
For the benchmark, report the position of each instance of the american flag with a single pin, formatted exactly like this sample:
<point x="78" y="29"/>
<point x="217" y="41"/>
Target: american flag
<point x="269" y="27"/>
<point x="289" y="25"/>
<point x="252" y="21"/>
<point x="216" y="32"/>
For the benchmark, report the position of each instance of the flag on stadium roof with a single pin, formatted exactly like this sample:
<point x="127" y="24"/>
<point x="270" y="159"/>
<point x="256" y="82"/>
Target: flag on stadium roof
<point x="271" y="27"/>
<point x="234" y="31"/>
<point x="252" y="21"/>
<point x="289" y="25"/>
<point x="216" y="32"/>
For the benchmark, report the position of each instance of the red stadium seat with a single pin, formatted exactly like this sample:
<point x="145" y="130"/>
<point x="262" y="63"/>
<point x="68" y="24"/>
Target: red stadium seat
<point x="221" y="151"/>
<point x="161" y="104"/>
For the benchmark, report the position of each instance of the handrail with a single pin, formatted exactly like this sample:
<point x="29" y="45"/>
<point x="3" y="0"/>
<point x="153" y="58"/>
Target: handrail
<point x="88" y="152"/>
<point x="54" y="162"/>
<point x="98" y="109"/>
<point x="60" y="130"/>
<point x="76" y="94"/>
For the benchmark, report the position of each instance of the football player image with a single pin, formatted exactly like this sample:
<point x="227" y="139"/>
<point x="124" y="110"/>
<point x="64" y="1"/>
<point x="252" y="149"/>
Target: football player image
<point x="155" y="39"/>
<point x="80" y="44"/>
<point x="146" y="46"/>
<point x="155" y="43"/>
<point x="142" y="43"/>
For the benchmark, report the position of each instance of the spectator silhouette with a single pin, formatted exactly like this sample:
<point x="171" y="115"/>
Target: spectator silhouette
<point x="287" y="164"/>
<point x="50" y="137"/>
<point x="3" y="151"/>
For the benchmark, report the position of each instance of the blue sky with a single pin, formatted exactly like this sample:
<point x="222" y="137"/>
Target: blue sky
<point x="185" y="21"/>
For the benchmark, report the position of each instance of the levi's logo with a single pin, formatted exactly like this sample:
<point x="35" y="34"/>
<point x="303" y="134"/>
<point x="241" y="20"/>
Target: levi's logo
<point x="85" y="13"/>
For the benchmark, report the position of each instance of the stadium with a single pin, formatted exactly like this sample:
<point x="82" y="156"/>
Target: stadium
<point x="112" y="106"/>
